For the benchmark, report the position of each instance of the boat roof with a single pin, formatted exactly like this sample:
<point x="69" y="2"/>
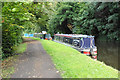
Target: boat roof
<point x="73" y="35"/>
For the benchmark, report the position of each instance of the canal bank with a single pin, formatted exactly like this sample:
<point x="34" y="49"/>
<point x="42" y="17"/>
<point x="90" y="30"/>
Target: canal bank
<point x="72" y="64"/>
<point x="75" y="65"/>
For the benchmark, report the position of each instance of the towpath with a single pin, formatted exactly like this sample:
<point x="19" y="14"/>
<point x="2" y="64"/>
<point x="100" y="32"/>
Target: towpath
<point x="35" y="63"/>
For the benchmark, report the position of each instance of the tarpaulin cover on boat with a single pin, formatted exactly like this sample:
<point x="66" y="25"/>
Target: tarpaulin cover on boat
<point x="28" y="35"/>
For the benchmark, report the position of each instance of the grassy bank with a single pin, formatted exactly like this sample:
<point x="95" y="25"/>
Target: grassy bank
<point x="73" y="64"/>
<point x="8" y="63"/>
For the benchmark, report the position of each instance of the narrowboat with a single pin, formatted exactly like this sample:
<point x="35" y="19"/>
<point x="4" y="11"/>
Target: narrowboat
<point x="83" y="43"/>
<point x="43" y="36"/>
<point x="28" y="35"/>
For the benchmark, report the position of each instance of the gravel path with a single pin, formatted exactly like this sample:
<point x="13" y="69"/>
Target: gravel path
<point x="35" y="63"/>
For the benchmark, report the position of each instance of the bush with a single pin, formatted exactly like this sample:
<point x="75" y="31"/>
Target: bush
<point x="0" y="53"/>
<point x="11" y="36"/>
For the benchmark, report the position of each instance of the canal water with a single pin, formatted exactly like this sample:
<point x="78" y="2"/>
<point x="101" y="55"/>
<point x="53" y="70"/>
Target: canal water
<point x="108" y="53"/>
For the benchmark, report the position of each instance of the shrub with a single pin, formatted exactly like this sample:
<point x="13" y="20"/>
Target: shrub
<point x="11" y="36"/>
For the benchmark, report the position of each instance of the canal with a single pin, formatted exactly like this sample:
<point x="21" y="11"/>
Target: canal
<point x="108" y="53"/>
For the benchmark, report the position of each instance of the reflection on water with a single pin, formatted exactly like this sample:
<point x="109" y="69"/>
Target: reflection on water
<point x="108" y="53"/>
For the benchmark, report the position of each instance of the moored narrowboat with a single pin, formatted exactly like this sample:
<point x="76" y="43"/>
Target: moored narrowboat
<point x="84" y="43"/>
<point x="43" y="36"/>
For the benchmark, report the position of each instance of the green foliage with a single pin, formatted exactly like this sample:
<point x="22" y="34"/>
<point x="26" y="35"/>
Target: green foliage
<point x="13" y="13"/>
<point x="60" y="16"/>
<point x="95" y="18"/>
<point x="0" y="53"/>
<point x="19" y="18"/>
<point x="107" y="17"/>
<point x="11" y="35"/>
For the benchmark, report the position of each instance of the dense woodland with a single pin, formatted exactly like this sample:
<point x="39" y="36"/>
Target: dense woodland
<point x="95" y="18"/>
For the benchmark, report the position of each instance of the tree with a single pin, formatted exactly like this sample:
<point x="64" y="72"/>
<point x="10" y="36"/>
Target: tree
<point x="12" y="14"/>
<point x="96" y="18"/>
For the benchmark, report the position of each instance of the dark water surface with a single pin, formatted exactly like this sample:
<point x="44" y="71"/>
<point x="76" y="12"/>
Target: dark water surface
<point x="108" y="53"/>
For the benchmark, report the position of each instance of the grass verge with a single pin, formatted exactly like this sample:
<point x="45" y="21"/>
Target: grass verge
<point x="73" y="64"/>
<point x="21" y="48"/>
<point x="8" y="63"/>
